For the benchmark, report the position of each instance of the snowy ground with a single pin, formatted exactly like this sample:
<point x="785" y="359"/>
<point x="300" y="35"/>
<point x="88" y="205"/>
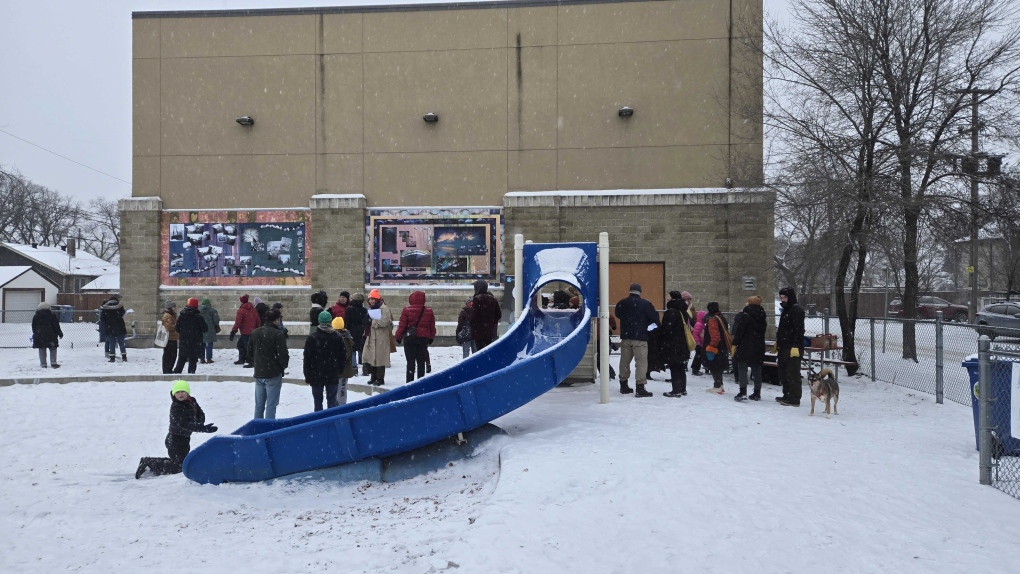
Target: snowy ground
<point x="699" y="484"/>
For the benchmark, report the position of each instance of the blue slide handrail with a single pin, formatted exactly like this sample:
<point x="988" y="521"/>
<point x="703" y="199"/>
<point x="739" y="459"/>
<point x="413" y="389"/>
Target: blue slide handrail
<point x="538" y="352"/>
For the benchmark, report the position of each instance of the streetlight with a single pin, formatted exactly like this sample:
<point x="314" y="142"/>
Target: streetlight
<point x="885" y="310"/>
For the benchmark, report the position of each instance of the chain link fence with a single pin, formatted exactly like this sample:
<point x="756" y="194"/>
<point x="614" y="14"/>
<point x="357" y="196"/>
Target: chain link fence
<point x="999" y="411"/>
<point x="80" y="327"/>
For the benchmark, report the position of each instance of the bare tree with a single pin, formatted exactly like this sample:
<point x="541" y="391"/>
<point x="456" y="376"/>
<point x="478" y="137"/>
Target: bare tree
<point x="100" y="235"/>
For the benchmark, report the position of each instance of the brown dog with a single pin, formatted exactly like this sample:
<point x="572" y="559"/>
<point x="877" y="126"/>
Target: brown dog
<point x="824" y="388"/>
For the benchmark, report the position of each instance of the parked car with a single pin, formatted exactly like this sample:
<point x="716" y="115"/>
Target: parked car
<point x="927" y="306"/>
<point x="1002" y="315"/>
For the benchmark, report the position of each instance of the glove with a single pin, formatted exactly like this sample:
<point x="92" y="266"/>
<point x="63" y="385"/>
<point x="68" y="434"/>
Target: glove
<point x="775" y="348"/>
<point x="794" y="352"/>
<point x="710" y="356"/>
<point x="232" y="333"/>
<point x="400" y="340"/>
<point x="209" y="428"/>
<point x="734" y="349"/>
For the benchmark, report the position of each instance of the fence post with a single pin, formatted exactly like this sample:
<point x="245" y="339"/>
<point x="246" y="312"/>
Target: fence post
<point x="873" y="349"/>
<point x="984" y="406"/>
<point x="825" y="322"/>
<point x="939" y="389"/>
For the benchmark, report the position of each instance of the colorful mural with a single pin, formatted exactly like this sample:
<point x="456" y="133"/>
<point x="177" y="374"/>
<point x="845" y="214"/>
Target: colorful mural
<point x="431" y="246"/>
<point x="234" y="248"/>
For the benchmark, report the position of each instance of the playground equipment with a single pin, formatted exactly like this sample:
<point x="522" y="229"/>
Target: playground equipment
<point x="535" y="355"/>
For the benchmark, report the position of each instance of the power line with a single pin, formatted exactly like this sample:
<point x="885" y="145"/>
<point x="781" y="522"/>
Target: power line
<point x="64" y="157"/>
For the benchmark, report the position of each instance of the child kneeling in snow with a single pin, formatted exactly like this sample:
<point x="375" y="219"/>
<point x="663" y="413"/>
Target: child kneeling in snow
<point x="186" y="417"/>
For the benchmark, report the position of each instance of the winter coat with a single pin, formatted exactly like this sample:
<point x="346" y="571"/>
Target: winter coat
<point x="485" y="316"/>
<point x="170" y="324"/>
<point x="268" y="351"/>
<point x="635" y="315"/>
<point x="790" y="332"/>
<point x="246" y="320"/>
<point x="338" y="310"/>
<point x="191" y="327"/>
<point x="261" y="309"/>
<point x="46" y="332"/>
<point x="672" y="334"/>
<point x="749" y="335"/>
<point x="420" y="314"/>
<point x="356" y="321"/>
<point x="699" y="329"/>
<point x="377" y="343"/>
<point x="464" y="322"/>
<point x="713" y="334"/>
<point x="324" y="357"/>
<point x="212" y="320"/>
<point x="112" y="316"/>
<point x="313" y="314"/>
<point x="350" y="369"/>
<point x="186" y="416"/>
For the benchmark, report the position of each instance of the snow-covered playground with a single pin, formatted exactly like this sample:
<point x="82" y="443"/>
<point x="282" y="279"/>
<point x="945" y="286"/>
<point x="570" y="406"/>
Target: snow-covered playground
<point x="697" y="484"/>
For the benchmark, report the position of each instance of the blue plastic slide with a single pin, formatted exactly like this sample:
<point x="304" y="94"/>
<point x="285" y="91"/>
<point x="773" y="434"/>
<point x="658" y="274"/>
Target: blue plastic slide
<point x="535" y="355"/>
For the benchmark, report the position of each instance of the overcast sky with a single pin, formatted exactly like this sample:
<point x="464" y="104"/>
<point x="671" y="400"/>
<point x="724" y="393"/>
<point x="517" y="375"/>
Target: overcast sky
<point x="65" y="72"/>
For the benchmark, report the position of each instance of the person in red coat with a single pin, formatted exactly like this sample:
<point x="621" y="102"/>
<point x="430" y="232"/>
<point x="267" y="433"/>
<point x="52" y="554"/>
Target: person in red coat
<point x="485" y="315"/>
<point x="416" y="331"/>
<point x="246" y="320"/>
<point x="340" y="308"/>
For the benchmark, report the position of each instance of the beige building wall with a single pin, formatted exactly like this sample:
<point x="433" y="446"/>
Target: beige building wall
<point x="527" y="96"/>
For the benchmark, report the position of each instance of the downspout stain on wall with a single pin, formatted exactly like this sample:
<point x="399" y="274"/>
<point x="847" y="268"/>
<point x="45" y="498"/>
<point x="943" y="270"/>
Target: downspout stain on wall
<point x="520" y="94"/>
<point x="320" y="111"/>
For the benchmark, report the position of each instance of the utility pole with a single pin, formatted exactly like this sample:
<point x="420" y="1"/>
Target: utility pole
<point x="974" y="173"/>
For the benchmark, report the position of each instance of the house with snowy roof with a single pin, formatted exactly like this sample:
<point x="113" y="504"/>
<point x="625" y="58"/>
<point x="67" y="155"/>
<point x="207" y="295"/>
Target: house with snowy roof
<point x="69" y="270"/>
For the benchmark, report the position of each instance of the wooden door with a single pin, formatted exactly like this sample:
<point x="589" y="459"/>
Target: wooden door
<point x="651" y="277"/>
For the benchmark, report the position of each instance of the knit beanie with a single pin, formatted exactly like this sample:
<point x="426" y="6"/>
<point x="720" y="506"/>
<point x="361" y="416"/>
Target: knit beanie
<point x="754" y="300"/>
<point x="635" y="288"/>
<point x="675" y="295"/>
<point x="181" y="386"/>
<point x="713" y="307"/>
<point x="193" y="303"/>
<point x="374" y="294"/>
<point x="169" y="305"/>
<point x="258" y="301"/>
<point x="358" y="297"/>
<point x="686" y="296"/>
<point x="44" y="306"/>
<point x="345" y="294"/>
<point x="325" y="318"/>
<point x="206" y="301"/>
<point x="338" y="323"/>
<point x="244" y="298"/>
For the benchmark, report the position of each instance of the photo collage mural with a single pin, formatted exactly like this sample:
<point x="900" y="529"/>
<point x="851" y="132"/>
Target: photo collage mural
<point x="234" y="248"/>
<point x="431" y="246"/>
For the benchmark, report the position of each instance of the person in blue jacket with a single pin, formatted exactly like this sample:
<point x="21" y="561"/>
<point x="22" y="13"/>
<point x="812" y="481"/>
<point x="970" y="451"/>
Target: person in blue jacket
<point x="635" y="316"/>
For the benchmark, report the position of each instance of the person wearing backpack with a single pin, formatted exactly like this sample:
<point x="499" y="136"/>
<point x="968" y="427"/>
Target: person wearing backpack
<point x="717" y="346"/>
<point x="356" y="322"/>
<point x="350" y="366"/>
<point x="467" y="344"/>
<point x="416" y="331"/>
<point x="325" y="357"/>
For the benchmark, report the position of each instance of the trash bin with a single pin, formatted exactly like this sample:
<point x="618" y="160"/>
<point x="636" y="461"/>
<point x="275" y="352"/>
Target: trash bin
<point x="1002" y="419"/>
<point x="812" y="309"/>
<point x="64" y="313"/>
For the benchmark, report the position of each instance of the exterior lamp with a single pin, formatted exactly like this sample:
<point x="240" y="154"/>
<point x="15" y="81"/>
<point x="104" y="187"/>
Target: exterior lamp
<point x="246" y="120"/>
<point x="430" y="118"/>
<point x="626" y="112"/>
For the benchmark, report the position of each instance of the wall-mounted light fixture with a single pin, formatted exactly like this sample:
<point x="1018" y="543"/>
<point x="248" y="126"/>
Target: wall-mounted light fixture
<point x="246" y="120"/>
<point x="430" y="118"/>
<point x="626" y="112"/>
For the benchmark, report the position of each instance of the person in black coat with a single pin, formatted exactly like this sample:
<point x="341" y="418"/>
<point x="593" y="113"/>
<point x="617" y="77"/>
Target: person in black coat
<point x="186" y="417"/>
<point x="356" y="321"/>
<point x="485" y="315"/>
<point x="112" y="316"/>
<point x="789" y="347"/>
<point x="749" y="346"/>
<point x="46" y="334"/>
<point x="191" y="327"/>
<point x="324" y="361"/>
<point x="675" y="350"/>
<point x="635" y="315"/>
<point x="320" y="303"/>
<point x="261" y="308"/>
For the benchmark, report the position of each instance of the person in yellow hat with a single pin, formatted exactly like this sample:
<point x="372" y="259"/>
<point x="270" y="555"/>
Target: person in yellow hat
<point x="186" y="417"/>
<point x="351" y="366"/>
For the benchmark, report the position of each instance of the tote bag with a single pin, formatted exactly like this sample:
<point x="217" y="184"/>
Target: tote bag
<point x="162" y="336"/>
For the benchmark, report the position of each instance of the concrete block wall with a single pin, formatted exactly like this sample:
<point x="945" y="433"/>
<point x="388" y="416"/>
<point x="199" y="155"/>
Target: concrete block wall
<point x="139" y="259"/>
<point x="708" y="240"/>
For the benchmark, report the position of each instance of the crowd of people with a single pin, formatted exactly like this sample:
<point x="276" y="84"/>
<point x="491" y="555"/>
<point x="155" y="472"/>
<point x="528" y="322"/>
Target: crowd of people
<point x="717" y="347"/>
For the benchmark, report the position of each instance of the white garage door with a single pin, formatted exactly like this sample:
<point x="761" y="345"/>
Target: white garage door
<point x="19" y="306"/>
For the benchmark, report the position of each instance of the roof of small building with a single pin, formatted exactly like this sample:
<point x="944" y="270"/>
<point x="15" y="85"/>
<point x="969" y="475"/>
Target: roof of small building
<point x="57" y="260"/>
<point x="108" y="282"/>
<point x="9" y="273"/>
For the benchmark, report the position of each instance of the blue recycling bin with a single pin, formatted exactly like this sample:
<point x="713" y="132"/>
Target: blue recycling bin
<point x="1002" y="405"/>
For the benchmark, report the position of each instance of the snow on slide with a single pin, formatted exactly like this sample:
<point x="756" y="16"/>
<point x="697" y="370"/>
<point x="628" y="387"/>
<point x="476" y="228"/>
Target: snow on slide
<point x="535" y="355"/>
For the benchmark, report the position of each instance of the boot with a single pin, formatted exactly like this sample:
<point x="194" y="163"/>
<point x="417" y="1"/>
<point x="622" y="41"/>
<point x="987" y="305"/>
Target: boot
<point x="113" y="358"/>
<point x="239" y="361"/>
<point x="209" y="361"/>
<point x="741" y="396"/>
<point x="380" y="376"/>
<point x="641" y="392"/>
<point x="366" y="371"/>
<point x="755" y="396"/>
<point x="676" y="392"/>
<point x="625" y="388"/>
<point x="143" y="465"/>
<point x="123" y="357"/>
<point x="428" y="367"/>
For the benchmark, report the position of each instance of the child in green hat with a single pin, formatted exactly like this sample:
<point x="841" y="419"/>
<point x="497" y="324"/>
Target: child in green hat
<point x="186" y="417"/>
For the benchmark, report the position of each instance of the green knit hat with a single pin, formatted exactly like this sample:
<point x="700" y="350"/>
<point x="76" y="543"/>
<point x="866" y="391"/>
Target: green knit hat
<point x="206" y="301"/>
<point x="325" y="318"/>
<point x="181" y="386"/>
